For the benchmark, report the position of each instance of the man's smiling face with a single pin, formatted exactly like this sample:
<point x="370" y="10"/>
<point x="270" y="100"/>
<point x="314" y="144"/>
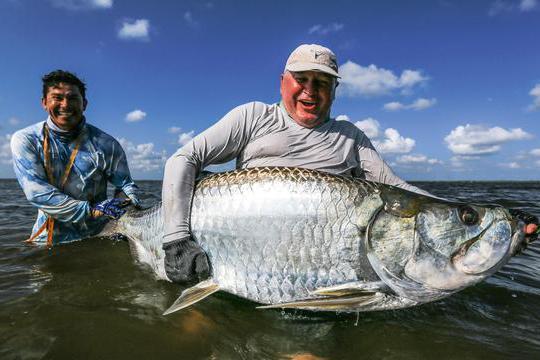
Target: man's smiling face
<point x="65" y="105"/>
<point x="308" y="96"/>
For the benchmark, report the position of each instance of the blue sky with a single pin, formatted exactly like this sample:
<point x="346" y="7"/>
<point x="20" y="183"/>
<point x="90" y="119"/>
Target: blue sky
<point x="446" y="90"/>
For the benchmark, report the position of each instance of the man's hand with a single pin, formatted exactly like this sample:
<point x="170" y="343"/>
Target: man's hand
<point x="185" y="262"/>
<point x="135" y="201"/>
<point x="112" y="208"/>
<point x="530" y="228"/>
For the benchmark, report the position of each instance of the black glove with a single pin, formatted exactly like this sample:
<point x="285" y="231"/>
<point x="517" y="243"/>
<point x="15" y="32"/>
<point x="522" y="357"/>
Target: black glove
<point x="523" y="216"/>
<point x="527" y="219"/>
<point x="185" y="262"/>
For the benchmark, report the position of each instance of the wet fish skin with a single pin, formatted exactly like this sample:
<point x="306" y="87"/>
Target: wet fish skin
<point x="280" y="236"/>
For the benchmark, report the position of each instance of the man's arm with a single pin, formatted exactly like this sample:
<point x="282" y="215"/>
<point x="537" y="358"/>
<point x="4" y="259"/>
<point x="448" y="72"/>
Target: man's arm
<point x="119" y="175"/>
<point x="184" y="261"/>
<point x="28" y="167"/>
<point x="218" y="144"/>
<point x="376" y="169"/>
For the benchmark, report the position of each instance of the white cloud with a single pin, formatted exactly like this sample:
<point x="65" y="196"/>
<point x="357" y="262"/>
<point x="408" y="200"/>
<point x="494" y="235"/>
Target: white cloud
<point x="535" y="152"/>
<point x="394" y="106"/>
<point x="511" y="165"/>
<point x="394" y="143"/>
<point x="188" y="18"/>
<point x="184" y="138"/>
<point x="5" y="149"/>
<point x="480" y="140"/>
<point x="500" y="6"/>
<point x="391" y="142"/>
<point x="82" y="4"/>
<point x="136" y="30"/>
<point x="357" y="80"/>
<point x="459" y="162"/>
<point x="174" y="130"/>
<point x="369" y="126"/>
<point x="417" y="159"/>
<point x="143" y="157"/>
<point x="419" y="104"/>
<point x="535" y="93"/>
<point x="324" y="30"/>
<point x="527" y="5"/>
<point x="13" y="121"/>
<point x="135" y="116"/>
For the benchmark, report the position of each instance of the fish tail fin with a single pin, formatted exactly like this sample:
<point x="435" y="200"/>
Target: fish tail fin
<point x="193" y="294"/>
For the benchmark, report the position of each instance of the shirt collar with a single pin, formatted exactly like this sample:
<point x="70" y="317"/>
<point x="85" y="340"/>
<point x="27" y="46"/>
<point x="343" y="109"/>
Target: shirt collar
<point x="66" y="134"/>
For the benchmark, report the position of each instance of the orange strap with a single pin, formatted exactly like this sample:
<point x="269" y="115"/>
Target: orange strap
<point x="49" y="223"/>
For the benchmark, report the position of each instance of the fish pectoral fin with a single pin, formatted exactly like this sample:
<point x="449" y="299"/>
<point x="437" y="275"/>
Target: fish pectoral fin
<point x="353" y="288"/>
<point x="193" y="294"/>
<point x="330" y="303"/>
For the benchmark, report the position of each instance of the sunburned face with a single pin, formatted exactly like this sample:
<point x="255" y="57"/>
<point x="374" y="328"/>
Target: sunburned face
<point x="308" y="96"/>
<point x="65" y="105"/>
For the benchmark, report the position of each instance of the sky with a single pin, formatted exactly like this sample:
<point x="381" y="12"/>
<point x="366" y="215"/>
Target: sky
<point x="446" y="90"/>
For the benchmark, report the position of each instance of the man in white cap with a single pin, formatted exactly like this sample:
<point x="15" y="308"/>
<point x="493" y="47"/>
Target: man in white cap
<point x="296" y="132"/>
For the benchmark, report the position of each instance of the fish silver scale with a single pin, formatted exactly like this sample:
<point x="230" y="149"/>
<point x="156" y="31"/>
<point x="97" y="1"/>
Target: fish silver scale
<point x="271" y="234"/>
<point x="274" y="235"/>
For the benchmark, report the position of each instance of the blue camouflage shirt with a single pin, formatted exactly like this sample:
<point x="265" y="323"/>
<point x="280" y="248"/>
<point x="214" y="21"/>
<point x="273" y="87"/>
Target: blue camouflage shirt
<point x="100" y="159"/>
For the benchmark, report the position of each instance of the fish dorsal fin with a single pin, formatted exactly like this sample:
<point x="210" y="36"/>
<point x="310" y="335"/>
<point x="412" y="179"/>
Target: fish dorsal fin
<point x="192" y="295"/>
<point x="331" y="303"/>
<point x="353" y="288"/>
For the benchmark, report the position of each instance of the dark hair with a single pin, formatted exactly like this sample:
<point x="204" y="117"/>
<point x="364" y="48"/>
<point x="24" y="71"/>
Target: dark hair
<point x="60" y="76"/>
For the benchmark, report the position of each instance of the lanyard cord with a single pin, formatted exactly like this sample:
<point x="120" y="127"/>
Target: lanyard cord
<point x="49" y="223"/>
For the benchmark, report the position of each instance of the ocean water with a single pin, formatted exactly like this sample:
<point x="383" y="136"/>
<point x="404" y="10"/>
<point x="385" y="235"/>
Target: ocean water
<point x="90" y="300"/>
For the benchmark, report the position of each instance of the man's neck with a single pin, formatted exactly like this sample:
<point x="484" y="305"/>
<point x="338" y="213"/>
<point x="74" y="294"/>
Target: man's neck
<point x="63" y="132"/>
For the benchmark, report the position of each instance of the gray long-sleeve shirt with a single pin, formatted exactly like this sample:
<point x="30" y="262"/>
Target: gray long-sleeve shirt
<point x="258" y="134"/>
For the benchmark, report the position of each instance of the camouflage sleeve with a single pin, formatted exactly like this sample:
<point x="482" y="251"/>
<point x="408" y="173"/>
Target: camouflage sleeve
<point x="376" y="169"/>
<point x="218" y="144"/>
<point x="27" y="164"/>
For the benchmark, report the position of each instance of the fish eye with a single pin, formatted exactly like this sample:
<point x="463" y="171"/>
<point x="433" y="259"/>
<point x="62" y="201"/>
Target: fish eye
<point x="468" y="215"/>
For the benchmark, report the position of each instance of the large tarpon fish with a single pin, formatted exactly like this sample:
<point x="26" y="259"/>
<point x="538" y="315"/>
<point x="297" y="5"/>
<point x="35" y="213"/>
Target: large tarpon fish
<point x="297" y="238"/>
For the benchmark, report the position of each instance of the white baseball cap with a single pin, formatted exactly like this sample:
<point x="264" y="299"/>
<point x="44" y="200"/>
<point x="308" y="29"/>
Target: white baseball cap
<point x="312" y="57"/>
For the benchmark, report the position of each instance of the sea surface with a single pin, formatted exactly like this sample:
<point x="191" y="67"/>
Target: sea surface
<point x="90" y="300"/>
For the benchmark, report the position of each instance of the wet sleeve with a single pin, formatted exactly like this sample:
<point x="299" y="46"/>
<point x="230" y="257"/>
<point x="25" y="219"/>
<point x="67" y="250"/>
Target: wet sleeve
<point x="376" y="169"/>
<point x="28" y="167"/>
<point x="218" y="144"/>
<point x="118" y="172"/>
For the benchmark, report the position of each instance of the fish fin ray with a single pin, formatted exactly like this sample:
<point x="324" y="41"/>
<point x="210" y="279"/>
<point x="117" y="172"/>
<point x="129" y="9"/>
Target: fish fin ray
<point x="352" y="288"/>
<point x="331" y="303"/>
<point x="193" y="294"/>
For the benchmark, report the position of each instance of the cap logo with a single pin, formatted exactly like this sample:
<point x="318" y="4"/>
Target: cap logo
<point x="325" y="58"/>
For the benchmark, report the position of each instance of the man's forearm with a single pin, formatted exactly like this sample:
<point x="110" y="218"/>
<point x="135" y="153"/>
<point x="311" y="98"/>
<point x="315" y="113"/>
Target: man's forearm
<point x="178" y="186"/>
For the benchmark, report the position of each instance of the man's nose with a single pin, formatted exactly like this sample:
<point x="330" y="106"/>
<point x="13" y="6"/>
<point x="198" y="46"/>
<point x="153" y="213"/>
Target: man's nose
<point x="309" y="87"/>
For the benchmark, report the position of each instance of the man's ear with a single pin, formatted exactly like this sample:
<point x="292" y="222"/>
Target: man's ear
<point x="334" y="91"/>
<point x="84" y="104"/>
<point x="44" y="103"/>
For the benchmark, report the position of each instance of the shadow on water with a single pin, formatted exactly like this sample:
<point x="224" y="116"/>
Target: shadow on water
<point x="90" y="300"/>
